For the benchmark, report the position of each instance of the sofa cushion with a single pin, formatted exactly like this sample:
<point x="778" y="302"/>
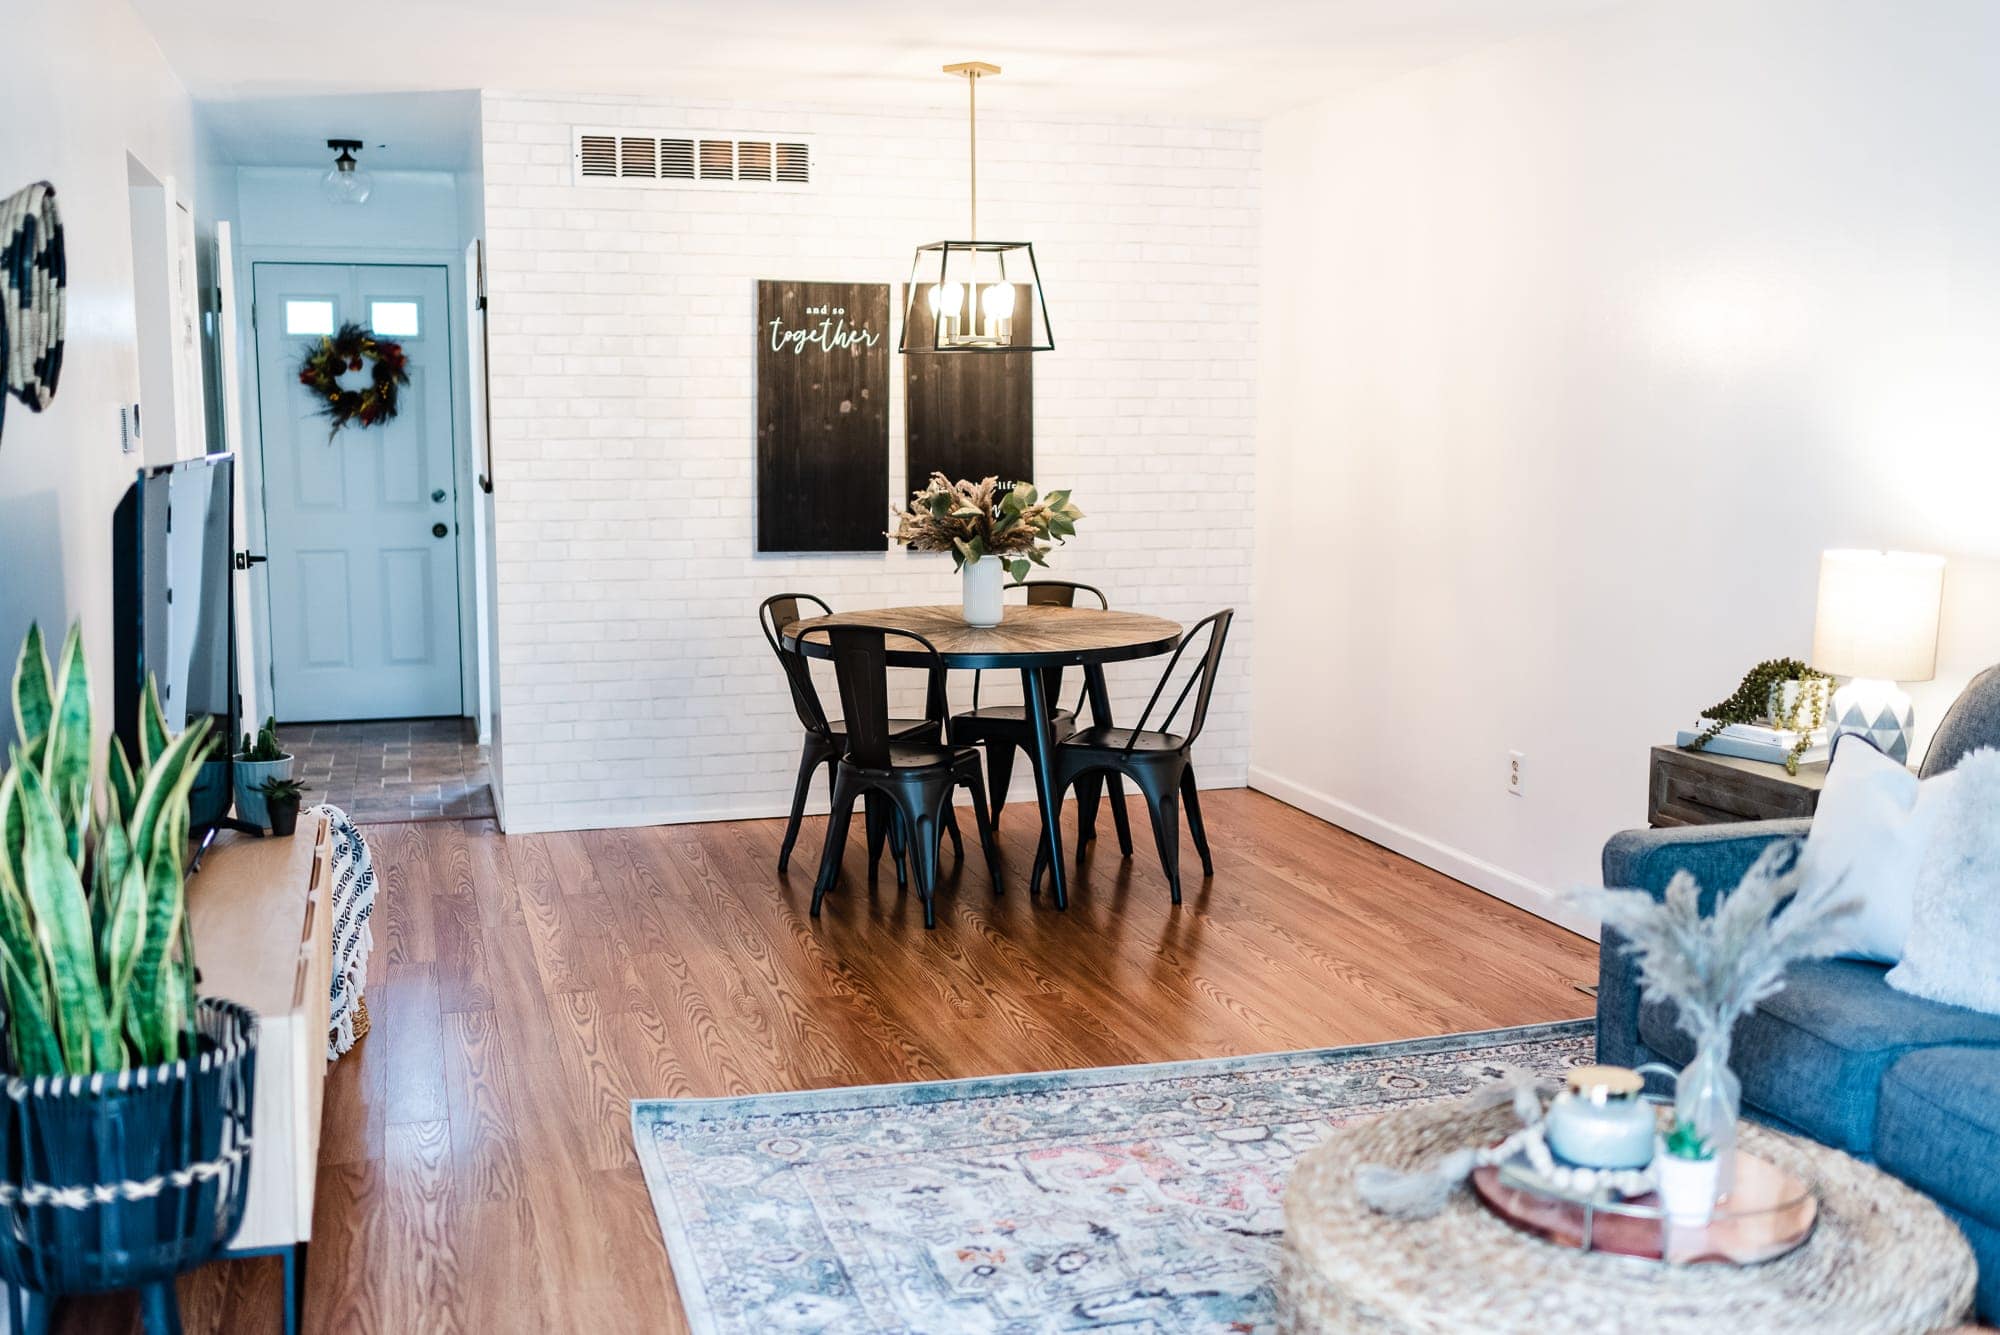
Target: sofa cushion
<point x="1937" y="1126"/>
<point x="1815" y="1054"/>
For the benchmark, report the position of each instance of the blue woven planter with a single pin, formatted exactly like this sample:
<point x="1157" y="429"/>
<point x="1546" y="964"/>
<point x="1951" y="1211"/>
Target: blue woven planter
<point x="126" y="1179"/>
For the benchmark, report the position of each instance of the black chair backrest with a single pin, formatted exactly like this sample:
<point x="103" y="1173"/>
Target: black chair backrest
<point x="779" y="611"/>
<point x="1217" y="626"/>
<point x="1058" y="592"/>
<point x="1052" y="593"/>
<point x="861" y="665"/>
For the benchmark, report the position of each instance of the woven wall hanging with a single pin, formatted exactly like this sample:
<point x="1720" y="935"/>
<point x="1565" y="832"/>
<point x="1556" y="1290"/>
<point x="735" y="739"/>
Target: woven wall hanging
<point x="32" y="277"/>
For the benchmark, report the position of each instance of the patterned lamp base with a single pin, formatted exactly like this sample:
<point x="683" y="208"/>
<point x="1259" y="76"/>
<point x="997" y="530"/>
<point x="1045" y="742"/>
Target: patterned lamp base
<point x="1877" y="710"/>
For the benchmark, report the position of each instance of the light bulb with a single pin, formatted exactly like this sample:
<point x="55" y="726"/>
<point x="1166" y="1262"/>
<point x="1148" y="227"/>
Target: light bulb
<point x="998" y="303"/>
<point x="947" y="299"/>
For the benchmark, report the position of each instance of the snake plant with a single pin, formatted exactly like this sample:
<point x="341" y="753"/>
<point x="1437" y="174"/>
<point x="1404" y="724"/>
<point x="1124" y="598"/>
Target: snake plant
<point x="92" y="905"/>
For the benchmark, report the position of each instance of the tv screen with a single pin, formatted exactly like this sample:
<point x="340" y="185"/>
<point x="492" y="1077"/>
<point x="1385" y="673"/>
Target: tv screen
<point x="172" y="553"/>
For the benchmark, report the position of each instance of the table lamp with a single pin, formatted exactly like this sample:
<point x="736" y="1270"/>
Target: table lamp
<point x="1877" y="624"/>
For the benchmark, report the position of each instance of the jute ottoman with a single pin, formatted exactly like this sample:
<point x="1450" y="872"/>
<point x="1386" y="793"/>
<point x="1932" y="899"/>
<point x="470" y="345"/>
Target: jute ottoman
<point x="1882" y="1260"/>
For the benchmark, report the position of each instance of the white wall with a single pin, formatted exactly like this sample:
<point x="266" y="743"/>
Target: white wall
<point x="1579" y="351"/>
<point x="636" y="685"/>
<point x="85" y="86"/>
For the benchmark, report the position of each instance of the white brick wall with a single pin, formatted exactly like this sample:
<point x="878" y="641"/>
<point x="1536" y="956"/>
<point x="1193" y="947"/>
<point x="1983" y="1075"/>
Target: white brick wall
<point x="634" y="683"/>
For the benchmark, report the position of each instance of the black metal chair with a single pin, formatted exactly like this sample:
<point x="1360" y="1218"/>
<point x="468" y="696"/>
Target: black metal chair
<point x="914" y="779"/>
<point x="1003" y="729"/>
<point x="826" y="738"/>
<point x="1158" y="762"/>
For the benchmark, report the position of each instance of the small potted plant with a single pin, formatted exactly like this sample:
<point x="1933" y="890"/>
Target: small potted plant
<point x="991" y="530"/>
<point x="1689" y="1175"/>
<point x="281" y="798"/>
<point x="259" y="758"/>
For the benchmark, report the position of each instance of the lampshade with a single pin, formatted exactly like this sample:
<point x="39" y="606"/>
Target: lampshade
<point x="1878" y="615"/>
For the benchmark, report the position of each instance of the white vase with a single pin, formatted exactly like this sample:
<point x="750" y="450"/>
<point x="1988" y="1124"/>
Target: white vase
<point x="1688" y="1187"/>
<point x="983" y="580"/>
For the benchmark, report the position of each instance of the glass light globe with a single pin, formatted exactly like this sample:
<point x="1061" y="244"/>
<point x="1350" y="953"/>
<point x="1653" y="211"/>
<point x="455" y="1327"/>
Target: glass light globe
<point x="998" y="303"/>
<point x="345" y="182"/>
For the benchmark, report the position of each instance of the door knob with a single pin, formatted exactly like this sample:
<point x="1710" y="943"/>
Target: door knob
<point x="439" y="530"/>
<point x="438" y="495"/>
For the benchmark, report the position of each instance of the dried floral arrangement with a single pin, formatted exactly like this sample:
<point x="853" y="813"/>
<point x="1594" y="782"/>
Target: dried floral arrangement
<point x="1761" y="697"/>
<point x="975" y="519"/>
<point x="1715" y="968"/>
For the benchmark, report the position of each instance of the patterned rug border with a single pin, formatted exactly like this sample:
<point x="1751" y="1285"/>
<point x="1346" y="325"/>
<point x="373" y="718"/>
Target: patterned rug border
<point x="675" y="1230"/>
<point x="841" y="1098"/>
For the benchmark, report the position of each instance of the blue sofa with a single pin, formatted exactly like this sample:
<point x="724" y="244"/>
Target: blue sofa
<point x="1909" y="1085"/>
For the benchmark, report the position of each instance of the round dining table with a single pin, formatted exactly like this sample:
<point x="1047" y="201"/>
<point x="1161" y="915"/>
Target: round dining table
<point x="1038" y="641"/>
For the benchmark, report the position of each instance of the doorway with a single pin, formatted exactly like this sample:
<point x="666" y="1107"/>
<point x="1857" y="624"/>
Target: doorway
<point x="360" y="528"/>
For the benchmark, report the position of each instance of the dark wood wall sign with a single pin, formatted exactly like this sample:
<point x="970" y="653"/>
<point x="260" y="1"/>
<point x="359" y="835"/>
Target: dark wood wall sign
<point x="823" y="354"/>
<point x="968" y="414"/>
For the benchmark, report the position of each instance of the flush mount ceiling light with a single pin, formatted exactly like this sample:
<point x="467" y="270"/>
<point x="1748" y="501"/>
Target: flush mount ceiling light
<point x="345" y="182"/>
<point x="973" y="295"/>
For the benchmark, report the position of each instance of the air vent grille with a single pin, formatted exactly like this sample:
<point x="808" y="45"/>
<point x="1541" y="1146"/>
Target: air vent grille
<point x="739" y="161"/>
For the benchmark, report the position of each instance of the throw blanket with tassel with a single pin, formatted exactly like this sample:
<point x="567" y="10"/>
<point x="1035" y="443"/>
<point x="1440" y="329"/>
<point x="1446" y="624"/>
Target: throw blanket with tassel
<point x="353" y="942"/>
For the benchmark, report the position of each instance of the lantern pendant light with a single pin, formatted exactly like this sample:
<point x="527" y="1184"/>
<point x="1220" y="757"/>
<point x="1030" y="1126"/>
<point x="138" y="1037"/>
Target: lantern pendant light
<point x="974" y="295"/>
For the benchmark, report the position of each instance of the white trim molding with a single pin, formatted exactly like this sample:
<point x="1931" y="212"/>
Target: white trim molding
<point x="1476" y="872"/>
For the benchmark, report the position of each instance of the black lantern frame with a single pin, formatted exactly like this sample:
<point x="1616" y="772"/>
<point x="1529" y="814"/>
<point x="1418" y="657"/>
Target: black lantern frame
<point x="976" y="268"/>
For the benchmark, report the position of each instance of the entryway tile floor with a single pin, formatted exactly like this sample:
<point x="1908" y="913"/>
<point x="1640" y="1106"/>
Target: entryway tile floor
<point x="393" y="770"/>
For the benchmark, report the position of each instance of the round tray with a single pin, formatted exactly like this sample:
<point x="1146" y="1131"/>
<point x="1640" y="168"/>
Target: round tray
<point x="1767" y="1212"/>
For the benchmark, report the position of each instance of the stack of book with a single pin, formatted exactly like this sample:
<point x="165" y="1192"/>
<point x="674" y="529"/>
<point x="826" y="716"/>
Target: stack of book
<point x="1754" y="741"/>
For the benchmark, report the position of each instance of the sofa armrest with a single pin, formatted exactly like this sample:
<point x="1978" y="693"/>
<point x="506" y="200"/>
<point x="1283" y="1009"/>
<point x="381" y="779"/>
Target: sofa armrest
<point x="1717" y="856"/>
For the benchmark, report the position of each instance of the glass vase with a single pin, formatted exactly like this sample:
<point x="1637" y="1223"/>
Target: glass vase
<point x="1709" y="1098"/>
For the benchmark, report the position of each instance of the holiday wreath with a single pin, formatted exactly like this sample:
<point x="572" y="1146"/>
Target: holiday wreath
<point x="349" y="350"/>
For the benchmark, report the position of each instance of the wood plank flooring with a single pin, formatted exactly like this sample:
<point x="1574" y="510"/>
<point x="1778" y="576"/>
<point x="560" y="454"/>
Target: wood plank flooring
<point x="477" y="1173"/>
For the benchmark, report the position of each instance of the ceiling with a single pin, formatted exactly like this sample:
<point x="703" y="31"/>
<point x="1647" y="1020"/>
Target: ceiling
<point x="279" y="74"/>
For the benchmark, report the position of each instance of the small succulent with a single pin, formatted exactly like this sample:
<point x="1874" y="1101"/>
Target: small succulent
<point x="265" y="747"/>
<point x="281" y="791"/>
<point x="1760" y="696"/>
<point x="1684" y="1142"/>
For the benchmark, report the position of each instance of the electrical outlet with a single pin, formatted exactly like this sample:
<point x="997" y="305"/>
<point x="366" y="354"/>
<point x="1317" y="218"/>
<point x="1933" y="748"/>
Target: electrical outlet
<point x="1516" y="781"/>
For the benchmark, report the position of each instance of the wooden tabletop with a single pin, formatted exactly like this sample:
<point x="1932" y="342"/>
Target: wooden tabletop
<point x="1027" y="636"/>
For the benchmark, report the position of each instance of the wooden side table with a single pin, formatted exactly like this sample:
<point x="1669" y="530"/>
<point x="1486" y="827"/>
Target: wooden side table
<point x="1696" y="788"/>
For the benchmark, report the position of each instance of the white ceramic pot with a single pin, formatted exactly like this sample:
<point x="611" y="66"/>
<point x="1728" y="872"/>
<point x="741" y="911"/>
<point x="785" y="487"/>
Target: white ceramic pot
<point x="1688" y="1187"/>
<point x="983" y="580"/>
<point x="250" y="805"/>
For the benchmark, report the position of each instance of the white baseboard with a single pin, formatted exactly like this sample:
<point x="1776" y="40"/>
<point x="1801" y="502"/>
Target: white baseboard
<point x="1459" y="865"/>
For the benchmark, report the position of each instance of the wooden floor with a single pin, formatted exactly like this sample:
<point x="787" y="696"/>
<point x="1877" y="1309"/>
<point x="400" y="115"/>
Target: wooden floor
<point x="477" y="1171"/>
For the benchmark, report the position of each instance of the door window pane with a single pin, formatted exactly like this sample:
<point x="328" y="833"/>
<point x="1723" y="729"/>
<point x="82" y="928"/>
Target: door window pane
<point x="308" y="317"/>
<point x="396" y="319"/>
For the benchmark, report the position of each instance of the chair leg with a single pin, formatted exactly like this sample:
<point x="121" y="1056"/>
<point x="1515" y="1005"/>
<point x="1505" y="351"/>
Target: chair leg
<point x="951" y="828"/>
<point x="920" y="811"/>
<point x="1192" y="798"/>
<point x="809" y="760"/>
<point x="837" y="822"/>
<point x="970" y="779"/>
<point x="1165" y="809"/>
<point x="1119" y="817"/>
<point x="1088" y="788"/>
<point x="999" y="773"/>
<point x="876" y="831"/>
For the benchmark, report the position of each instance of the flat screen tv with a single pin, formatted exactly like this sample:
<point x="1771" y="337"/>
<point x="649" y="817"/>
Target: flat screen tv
<point x="173" y="617"/>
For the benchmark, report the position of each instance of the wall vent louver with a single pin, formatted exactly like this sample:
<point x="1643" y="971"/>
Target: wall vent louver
<point x="732" y="161"/>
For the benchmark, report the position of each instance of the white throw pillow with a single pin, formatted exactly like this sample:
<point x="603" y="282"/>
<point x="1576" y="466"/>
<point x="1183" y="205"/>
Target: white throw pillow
<point x="1871" y="829"/>
<point x="1949" y="954"/>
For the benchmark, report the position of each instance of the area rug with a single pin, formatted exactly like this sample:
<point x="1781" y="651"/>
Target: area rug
<point x="1136" y="1199"/>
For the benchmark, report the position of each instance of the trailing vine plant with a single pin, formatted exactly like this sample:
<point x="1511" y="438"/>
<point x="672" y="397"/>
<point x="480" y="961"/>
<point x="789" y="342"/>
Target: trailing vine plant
<point x="1761" y="697"/>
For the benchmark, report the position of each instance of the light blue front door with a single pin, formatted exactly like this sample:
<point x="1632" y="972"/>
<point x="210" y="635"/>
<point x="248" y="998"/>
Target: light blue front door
<point x="359" y="530"/>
